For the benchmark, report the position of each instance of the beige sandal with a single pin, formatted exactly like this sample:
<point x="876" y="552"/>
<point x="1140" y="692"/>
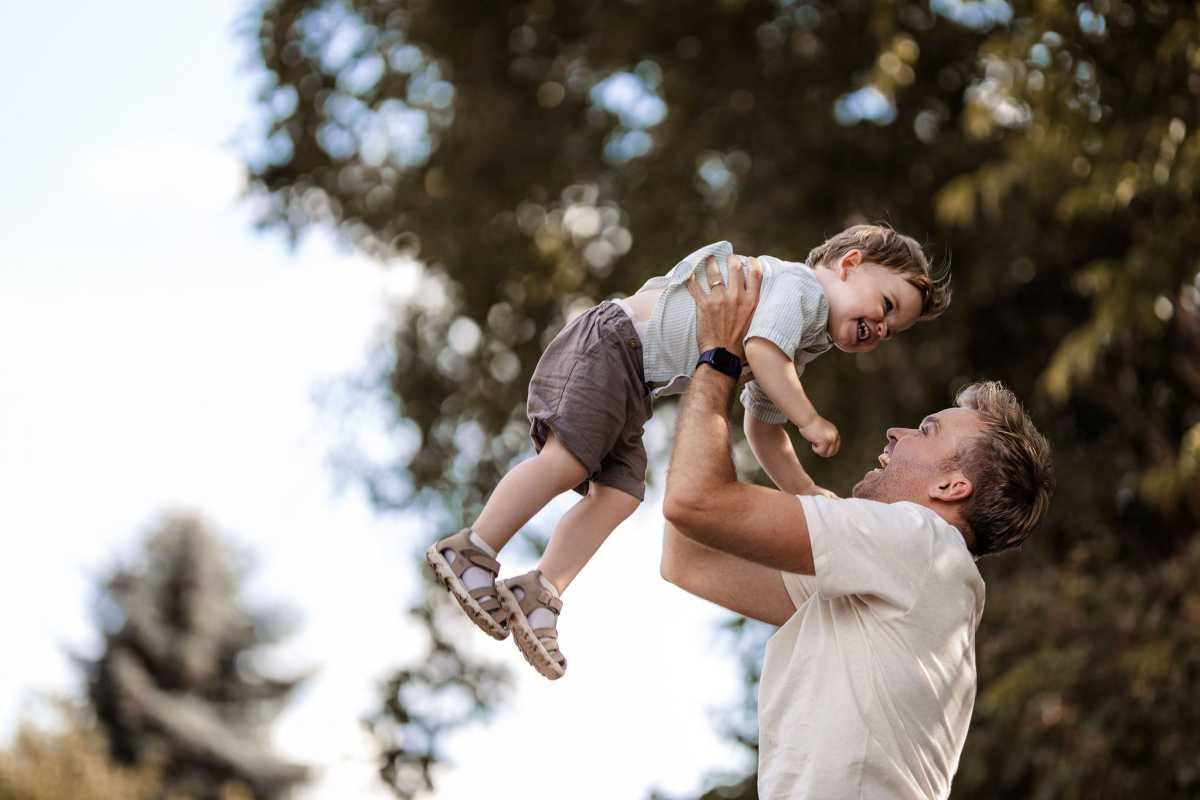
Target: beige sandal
<point x="480" y="604"/>
<point x="538" y="645"/>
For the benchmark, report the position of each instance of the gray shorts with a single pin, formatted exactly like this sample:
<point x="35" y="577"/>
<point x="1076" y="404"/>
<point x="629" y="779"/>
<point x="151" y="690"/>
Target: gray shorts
<point x="589" y="388"/>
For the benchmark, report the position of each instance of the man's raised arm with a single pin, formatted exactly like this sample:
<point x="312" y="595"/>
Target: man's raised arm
<point x="704" y="500"/>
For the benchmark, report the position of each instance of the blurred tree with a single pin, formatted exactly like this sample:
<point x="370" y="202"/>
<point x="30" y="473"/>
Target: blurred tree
<point x="540" y="156"/>
<point x="177" y="683"/>
<point x="1100" y="698"/>
<point x="409" y="727"/>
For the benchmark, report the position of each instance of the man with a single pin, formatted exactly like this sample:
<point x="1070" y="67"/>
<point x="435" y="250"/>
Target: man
<point x="867" y="688"/>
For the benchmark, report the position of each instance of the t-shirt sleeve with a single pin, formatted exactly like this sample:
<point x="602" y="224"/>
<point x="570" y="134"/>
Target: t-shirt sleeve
<point x="788" y="307"/>
<point x="760" y="406"/>
<point x="865" y="548"/>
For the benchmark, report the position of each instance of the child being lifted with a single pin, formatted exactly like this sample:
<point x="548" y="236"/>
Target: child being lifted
<point x="591" y="393"/>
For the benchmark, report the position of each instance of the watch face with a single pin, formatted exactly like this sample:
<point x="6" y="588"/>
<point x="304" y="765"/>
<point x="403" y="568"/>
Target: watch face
<point x="723" y="360"/>
<point x="727" y="362"/>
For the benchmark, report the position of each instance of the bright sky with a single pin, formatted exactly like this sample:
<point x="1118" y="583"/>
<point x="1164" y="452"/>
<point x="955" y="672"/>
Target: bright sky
<point x="157" y="354"/>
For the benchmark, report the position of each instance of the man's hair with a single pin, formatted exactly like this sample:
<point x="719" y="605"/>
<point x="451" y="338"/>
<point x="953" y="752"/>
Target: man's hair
<point x="880" y="244"/>
<point x="1009" y="464"/>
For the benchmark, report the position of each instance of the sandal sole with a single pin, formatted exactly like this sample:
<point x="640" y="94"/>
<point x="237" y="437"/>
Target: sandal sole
<point x="526" y="640"/>
<point x="482" y="619"/>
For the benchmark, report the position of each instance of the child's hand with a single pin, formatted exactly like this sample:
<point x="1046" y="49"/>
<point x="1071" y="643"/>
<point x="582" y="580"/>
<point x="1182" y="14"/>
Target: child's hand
<point x="823" y="436"/>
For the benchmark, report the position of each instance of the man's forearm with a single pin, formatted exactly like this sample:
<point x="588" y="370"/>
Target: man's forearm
<point x="702" y="461"/>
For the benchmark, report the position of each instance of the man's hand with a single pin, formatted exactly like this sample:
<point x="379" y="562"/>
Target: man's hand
<point x="723" y="315"/>
<point x="824" y="437"/>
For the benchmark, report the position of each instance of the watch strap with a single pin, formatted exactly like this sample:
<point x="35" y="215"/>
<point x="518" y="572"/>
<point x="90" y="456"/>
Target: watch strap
<point x="722" y="361"/>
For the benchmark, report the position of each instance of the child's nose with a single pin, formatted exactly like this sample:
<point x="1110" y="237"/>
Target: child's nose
<point x="881" y="330"/>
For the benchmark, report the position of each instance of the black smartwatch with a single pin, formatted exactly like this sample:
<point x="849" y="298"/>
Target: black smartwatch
<point x="722" y="361"/>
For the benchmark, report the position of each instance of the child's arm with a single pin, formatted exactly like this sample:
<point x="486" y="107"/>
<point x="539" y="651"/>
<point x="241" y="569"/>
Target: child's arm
<point x="776" y="374"/>
<point x="772" y="447"/>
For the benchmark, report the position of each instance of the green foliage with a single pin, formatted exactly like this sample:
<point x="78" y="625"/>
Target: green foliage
<point x="1091" y="683"/>
<point x="540" y="156"/>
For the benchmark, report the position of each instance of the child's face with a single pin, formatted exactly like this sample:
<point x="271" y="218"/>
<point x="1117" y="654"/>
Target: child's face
<point x="868" y="303"/>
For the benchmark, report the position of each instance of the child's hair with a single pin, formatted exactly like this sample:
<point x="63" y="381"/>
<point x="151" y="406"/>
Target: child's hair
<point x="882" y="245"/>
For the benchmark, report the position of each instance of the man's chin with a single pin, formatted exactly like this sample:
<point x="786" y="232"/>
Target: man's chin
<point x="865" y="488"/>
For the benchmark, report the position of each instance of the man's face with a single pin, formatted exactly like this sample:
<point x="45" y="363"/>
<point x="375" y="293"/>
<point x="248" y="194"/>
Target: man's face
<point x="913" y="465"/>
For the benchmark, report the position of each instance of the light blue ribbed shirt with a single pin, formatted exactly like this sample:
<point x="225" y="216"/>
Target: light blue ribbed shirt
<point x="792" y="313"/>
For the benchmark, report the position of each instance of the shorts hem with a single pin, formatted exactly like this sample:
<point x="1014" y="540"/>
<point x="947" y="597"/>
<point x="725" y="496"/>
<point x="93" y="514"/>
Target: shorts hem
<point x="638" y="492"/>
<point x="540" y="442"/>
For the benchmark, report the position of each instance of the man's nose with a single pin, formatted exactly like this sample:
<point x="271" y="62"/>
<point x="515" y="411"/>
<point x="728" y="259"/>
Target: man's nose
<point x="896" y="434"/>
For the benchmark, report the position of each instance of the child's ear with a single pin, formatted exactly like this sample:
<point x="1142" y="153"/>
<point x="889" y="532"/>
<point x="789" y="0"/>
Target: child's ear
<point x="849" y="261"/>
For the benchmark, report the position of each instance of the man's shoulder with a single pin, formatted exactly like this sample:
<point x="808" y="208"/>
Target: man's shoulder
<point x="903" y="521"/>
<point x="952" y="560"/>
<point x="895" y="553"/>
<point x="902" y="514"/>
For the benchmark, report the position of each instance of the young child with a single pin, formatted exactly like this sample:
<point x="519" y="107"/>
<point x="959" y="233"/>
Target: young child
<point x="591" y="395"/>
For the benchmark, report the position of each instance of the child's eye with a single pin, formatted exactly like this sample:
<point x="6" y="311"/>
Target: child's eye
<point x="887" y="305"/>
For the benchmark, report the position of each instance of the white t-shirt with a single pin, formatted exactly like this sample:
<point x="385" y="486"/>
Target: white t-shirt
<point x="867" y="690"/>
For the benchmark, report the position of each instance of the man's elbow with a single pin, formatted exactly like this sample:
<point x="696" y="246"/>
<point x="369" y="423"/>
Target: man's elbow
<point x="688" y="516"/>
<point x="680" y="510"/>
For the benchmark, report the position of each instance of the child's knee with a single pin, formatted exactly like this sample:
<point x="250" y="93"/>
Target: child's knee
<point x="621" y="503"/>
<point x="563" y="461"/>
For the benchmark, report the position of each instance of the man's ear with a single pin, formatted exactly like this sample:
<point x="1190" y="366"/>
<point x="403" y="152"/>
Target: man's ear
<point x="952" y="487"/>
<point x="850" y="260"/>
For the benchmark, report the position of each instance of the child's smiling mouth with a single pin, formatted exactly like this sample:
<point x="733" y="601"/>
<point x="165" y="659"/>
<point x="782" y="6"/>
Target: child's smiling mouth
<point x="864" y="331"/>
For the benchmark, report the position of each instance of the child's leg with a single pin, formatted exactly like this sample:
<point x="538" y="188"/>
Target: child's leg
<point x="582" y="530"/>
<point x="532" y="599"/>
<point x="525" y="490"/>
<point x="519" y="495"/>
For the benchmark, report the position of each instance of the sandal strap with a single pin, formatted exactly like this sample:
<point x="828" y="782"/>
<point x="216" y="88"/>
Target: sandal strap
<point x="550" y="601"/>
<point x="550" y="645"/>
<point x="481" y="559"/>
<point x="533" y="594"/>
<point x="470" y="557"/>
<point x="489" y="602"/>
<point x="467" y="555"/>
<point x="539" y="599"/>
